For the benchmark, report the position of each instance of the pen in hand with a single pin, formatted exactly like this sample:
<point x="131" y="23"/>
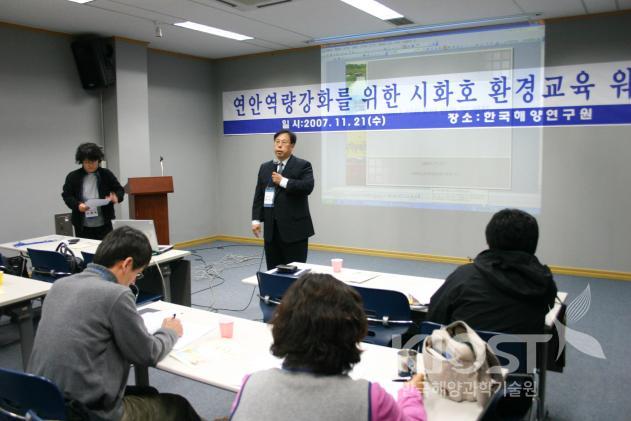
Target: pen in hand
<point x="173" y="315"/>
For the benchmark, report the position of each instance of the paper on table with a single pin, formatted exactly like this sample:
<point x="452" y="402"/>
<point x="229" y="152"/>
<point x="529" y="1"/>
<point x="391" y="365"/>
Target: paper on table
<point x="192" y="331"/>
<point x="354" y="276"/>
<point x="294" y="274"/>
<point x="94" y="203"/>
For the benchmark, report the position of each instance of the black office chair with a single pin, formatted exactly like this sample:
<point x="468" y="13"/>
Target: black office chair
<point x="21" y="393"/>
<point x="15" y="265"/>
<point x="272" y="287"/>
<point x="388" y="314"/>
<point x="48" y="265"/>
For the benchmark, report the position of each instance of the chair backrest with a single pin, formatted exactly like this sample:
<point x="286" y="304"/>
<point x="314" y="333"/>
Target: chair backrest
<point x="32" y="416"/>
<point x="48" y="265"/>
<point x="3" y="264"/>
<point x="509" y="344"/>
<point x="23" y="392"/>
<point x="272" y="287"/>
<point x="510" y="401"/>
<point x="87" y="257"/>
<point x="388" y="314"/>
<point x="385" y="306"/>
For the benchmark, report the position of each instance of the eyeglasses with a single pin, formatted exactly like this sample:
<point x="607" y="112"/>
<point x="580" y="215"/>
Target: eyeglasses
<point x="281" y="142"/>
<point x="140" y="275"/>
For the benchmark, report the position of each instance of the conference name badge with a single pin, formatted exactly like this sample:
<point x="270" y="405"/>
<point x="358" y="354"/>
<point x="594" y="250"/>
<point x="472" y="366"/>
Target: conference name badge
<point x="268" y="201"/>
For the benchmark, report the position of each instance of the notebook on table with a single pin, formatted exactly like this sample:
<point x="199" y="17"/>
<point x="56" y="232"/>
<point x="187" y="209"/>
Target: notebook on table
<point x="146" y="227"/>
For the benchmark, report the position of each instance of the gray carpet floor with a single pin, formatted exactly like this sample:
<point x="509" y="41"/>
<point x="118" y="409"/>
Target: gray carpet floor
<point x="590" y="388"/>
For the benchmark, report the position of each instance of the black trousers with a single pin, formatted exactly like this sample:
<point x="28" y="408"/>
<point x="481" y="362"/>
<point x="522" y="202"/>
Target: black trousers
<point x="93" y="233"/>
<point x="278" y="252"/>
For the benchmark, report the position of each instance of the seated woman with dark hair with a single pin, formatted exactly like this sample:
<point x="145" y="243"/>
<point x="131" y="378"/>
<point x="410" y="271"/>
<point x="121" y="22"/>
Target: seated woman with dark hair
<point x="317" y="329"/>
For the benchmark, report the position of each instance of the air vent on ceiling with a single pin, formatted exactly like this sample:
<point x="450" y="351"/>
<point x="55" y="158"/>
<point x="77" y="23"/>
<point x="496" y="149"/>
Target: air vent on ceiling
<point x="253" y="4"/>
<point x="400" y="21"/>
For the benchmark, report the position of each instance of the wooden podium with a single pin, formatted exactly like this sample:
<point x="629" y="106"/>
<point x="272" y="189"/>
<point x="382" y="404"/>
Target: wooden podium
<point x="148" y="200"/>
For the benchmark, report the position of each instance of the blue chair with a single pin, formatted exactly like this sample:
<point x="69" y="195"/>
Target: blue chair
<point x="272" y="287"/>
<point x="32" y="416"/>
<point x="3" y="264"/>
<point x="23" y="392"/>
<point x="508" y="403"/>
<point x="388" y="314"/>
<point x="144" y="297"/>
<point x="87" y="257"/>
<point x="48" y="265"/>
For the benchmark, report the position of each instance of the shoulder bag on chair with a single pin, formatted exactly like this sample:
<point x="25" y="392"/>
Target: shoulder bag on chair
<point x="460" y="365"/>
<point x="76" y="263"/>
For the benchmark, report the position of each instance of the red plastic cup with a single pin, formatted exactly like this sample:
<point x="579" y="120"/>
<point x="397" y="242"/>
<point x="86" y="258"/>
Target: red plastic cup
<point x="226" y="327"/>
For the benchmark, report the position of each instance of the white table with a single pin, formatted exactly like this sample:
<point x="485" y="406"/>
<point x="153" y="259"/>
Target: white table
<point x="419" y="288"/>
<point x="422" y="289"/>
<point x="224" y="362"/>
<point x="176" y="288"/>
<point x="16" y="294"/>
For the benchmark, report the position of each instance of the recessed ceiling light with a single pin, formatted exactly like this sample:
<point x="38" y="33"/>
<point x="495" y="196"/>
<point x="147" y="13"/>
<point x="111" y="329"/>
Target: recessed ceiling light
<point x="213" y="31"/>
<point x="374" y="8"/>
<point x="80" y="1"/>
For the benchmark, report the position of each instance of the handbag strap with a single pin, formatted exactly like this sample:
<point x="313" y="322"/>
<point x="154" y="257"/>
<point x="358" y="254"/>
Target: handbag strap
<point x="69" y="255"/>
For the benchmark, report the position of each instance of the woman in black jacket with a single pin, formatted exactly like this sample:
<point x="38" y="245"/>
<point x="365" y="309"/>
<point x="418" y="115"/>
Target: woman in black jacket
<point x="91" y="182"/>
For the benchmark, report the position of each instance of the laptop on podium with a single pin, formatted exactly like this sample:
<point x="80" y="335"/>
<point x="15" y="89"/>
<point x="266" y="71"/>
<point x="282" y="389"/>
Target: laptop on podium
<point x="146" y="227"/>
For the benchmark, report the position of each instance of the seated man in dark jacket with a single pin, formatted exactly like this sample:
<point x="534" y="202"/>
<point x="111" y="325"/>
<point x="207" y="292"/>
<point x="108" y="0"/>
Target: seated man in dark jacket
<point x="506" y="289"/>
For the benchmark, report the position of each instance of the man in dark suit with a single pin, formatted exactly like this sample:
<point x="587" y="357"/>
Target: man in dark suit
<point x="281" y="203"/>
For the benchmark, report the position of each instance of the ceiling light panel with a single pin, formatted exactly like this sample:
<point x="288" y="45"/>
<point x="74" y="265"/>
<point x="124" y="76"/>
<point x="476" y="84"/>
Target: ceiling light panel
<point x="374" y="8"/>
<point x="213" y="31"/>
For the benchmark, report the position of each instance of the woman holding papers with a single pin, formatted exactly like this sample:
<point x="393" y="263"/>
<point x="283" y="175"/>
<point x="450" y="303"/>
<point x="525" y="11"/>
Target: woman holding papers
<point x="317" y="329"/>
<point x="91" y="192"/>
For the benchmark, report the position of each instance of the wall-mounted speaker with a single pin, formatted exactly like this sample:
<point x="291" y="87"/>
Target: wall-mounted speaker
<point x="95" y="62"/>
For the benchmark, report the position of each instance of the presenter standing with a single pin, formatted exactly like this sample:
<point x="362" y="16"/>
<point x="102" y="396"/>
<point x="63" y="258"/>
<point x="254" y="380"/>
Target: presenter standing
<point x="281" y="203"/>
<point x="91" y="182"/>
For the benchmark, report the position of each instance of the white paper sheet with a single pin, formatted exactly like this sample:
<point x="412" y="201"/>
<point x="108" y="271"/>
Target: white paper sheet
<point x="192" y="331"/>
<point x="94" y="203"/>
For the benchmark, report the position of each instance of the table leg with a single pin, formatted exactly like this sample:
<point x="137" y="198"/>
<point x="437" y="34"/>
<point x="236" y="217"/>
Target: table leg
<point x="23" y="314"/>
<point x="181" y="282"/>
<point x="141" y="374"/>
<point x="176" y="287"/>
<point x="541" y="393"/>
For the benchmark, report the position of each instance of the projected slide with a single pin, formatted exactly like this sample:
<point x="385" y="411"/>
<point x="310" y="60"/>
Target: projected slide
<point x="460" y="168"/>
